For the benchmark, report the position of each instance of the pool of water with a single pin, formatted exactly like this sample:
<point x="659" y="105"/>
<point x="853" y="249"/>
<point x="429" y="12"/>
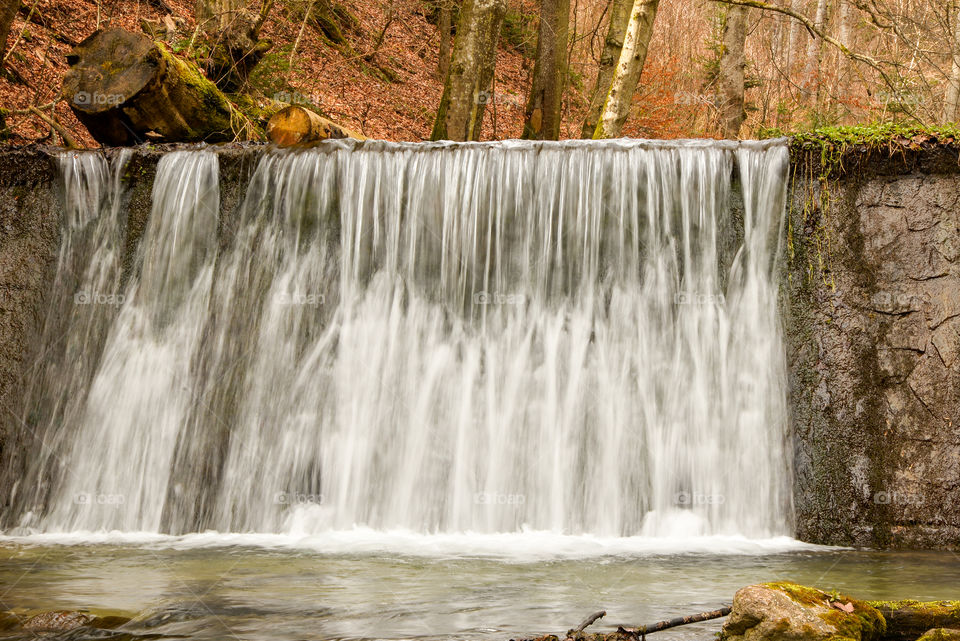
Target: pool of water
<point x="419" y="587"/>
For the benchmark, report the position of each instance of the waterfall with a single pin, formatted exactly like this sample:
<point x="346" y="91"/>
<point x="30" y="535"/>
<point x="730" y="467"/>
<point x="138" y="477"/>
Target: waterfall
<point x="573" y="337"/>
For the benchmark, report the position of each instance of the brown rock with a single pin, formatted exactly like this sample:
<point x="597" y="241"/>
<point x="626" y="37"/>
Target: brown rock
<point x="57" y="620"/>
<point x="791" y="612"/>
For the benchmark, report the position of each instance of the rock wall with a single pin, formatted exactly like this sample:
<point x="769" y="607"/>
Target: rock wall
<point x="29" y="239"/>
<point x="30" y="230"/>
<point x="873" y="327"/>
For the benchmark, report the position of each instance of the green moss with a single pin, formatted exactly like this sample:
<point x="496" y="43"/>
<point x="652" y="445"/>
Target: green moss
<point x="270" y="76"/>
<point x="801" y="594"/>
<point x="878" y="136"/>
<point x="520" y="32"/>
<point x="832" y="143"/>
<point x="864" y="623"/>
<point x="941" y="634"/>
<point x="926" y="614"/>
<point x="221" y="114"/>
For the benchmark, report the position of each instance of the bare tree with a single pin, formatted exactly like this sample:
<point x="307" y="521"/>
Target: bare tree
<point x="612" y="45"/>
<point x="626" y="76"/>
<point x="542" y="119"/>
<point x="810" y="79"/>
<point x="951" y="100"/>
<point x="466" y="89"/>
<point x="733" y="65"/>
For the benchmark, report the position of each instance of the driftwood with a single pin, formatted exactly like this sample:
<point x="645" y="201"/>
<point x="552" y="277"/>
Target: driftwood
<point x="296" y="125"/>
<point x="587" y="622"/>
<point x="672" y="623"/>
<point x="125" y="88"/>
<point x="637" y="633"/>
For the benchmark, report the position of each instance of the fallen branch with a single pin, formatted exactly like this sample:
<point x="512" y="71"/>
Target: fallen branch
<point x="633" y="634"/>
<point x="587" y="622"/>
<point x="67" y="138"/>
<point x="672" y="623"/>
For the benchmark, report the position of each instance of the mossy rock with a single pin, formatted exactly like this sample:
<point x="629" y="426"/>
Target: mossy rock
<point x="941" y="634"/>
<point x="836" y="150"/>
<point x="786" y="611"/>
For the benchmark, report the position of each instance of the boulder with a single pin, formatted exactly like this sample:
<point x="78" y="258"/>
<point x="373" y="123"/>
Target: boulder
<point x="791" y="612"/>
<point x="57" y="621"/>
<point x="941" y="634"/>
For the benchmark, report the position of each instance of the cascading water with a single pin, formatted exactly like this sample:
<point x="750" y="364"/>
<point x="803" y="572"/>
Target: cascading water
<point x="574" y="337"/>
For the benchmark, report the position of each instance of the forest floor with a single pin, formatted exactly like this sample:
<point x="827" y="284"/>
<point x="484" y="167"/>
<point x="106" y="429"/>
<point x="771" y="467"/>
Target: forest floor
<point x="397" y="105"/>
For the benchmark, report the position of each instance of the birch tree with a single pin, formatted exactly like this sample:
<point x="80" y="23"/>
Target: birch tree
<point x="612" y="46"/>
<point x="951" y="101"/>
<point x="626" y="76"/>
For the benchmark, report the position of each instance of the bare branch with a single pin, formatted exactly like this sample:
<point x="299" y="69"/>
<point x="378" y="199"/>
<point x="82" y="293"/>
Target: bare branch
<point x="817" y="32"/>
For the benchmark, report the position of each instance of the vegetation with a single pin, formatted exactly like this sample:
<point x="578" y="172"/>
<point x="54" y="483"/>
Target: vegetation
<point x="722" y="68"/>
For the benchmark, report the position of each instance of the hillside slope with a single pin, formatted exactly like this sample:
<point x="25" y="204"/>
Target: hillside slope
<point x="393" y="96"/>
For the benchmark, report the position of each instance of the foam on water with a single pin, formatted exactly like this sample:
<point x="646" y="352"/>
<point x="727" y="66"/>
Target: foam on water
<point x="515" y="547"/>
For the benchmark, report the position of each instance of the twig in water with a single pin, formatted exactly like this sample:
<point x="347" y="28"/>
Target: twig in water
<point x="587" y="622"/>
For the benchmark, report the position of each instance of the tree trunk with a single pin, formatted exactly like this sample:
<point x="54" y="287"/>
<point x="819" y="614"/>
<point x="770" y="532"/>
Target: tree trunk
<point x="733" y="65"/>
<point x="951" y="101"/>
<point x="149" y="95"/>
<point x="542" y="119"/>
<point x="465" y="92"/>
<point x="612" y="46"/>
<point x="793" y="43"/>
<point x="626" y="76"/>
<point x="445" y="27"/>
<point x="846" y="36"/>
<point x="813" y="50"/>
<point x="8" y="11"/>
<point x="233" y="32"/>
<point x="298" y="125"/>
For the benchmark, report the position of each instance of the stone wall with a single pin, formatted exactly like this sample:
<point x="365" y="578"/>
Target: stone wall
<point x="29" y="240"/>
<point x="873" y="326"/>
<point x="30" y="227"/>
